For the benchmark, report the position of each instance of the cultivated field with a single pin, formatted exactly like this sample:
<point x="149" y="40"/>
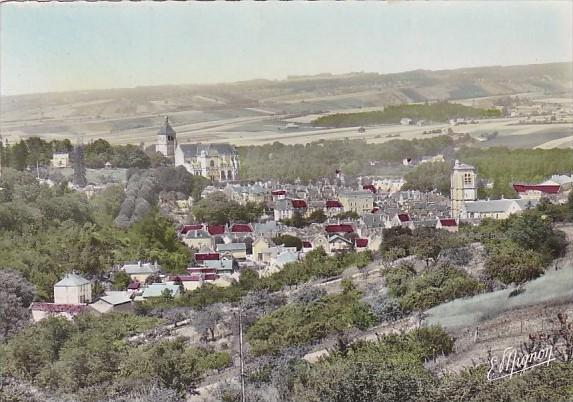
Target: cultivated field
<point x="257" y="112"/>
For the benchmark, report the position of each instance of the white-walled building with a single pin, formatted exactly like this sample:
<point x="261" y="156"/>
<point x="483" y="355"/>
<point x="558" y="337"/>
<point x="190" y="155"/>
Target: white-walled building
<point x="217" y="162"/>
<point x="73" y="289"/>
<point x="60" y="160"/>
<point x="71" y="297"/>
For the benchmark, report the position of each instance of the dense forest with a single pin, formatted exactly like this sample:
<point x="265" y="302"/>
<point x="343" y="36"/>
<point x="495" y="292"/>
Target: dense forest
<point x="321" y="159"/>
<point x="505" y="166"/>
<point x="45" y="232"/>
<point x="436" y="112"/>
<point x="499" y="166"/>
<point x="31" y="151"/>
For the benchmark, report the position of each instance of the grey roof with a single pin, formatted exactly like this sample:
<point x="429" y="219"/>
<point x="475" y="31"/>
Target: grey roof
<point x="231" y="247"/>
<point x="374" y="220"/>
<point x="359" y="193"/>
<point x="197" y="234"/>
<point x="493" y="205"/>
<point x="134" y="269"/>
<point x="526" y="204"/>
<point x="267" y="227"/>
<point x="166" y="128"/>
<point x="224" y="264"/>
<point x="116" y="298"/>
<point x="72" y="280"/>
<point x="338" y="237"/>
<point x="191" y="150"/>
<point x="156" y="289"/>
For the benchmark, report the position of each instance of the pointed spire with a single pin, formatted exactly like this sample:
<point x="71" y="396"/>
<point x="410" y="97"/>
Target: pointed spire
<point x="166" y="128"/>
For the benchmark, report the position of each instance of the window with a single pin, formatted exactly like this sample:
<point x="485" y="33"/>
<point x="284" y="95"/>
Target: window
<point x="212" y="163"/>
<point x="467" y="178"/>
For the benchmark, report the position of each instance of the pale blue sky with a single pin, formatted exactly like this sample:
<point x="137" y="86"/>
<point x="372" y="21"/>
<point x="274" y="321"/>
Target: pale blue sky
<point x="66" y="46"/>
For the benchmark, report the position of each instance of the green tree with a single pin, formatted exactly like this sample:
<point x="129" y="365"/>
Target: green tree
<point x="120" y="280"/>
<point x="19" y="155"/>
<point x="288" y="241"/>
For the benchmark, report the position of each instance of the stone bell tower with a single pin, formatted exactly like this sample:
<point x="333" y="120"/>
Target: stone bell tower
<point x="166" y="140"/>
<point x="463" y="187"/>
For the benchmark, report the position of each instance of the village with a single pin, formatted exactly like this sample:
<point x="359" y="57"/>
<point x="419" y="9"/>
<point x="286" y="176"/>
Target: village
<point x="329" y="214"/>
<point x="286" y="201"/>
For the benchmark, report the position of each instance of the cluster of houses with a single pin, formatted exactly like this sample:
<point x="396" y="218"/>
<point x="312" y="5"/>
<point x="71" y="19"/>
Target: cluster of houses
<point x="354" y="220"/>
<point x="74" y="294"/>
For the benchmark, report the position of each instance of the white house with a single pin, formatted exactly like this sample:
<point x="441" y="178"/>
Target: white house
<point x="73" y="289"/>
<point x="71" y="296"/>
<point x="60" y="160"/>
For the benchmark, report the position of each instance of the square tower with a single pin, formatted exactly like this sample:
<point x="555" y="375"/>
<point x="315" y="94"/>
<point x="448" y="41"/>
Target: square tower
<point x="463" y="187"/>
<point x="166" y="140"/>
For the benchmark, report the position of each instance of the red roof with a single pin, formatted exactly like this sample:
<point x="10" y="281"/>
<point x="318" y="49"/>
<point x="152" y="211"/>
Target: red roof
<point x="448" y="222"/>
<point x="134" y="285"/>
<point x="404" y="217"/>
<point x="207" y="256"/>
<point x="216" y="229"/>
<point x="333" y="204"/>
<point x="188" y="228"/>
<point x="544" y="188"/>
<point x="361" y="242"/>
<point x="369" y="187"/>
<point x="241" y="228"/>
<point x="185" y="278"/>
<point x="298" y="203"/>
<point x="211" y="277"/>
<point x="306" y="244"/>
<point x="343" y="228"/>
<point x="201" y="270"/>
<point x="278" y="192"/>
<point x="72" y="309"/>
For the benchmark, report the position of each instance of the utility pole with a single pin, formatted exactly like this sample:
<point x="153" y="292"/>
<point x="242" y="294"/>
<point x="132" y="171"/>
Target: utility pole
<point x="241" y="354"/>
<point x="1" y="152"/>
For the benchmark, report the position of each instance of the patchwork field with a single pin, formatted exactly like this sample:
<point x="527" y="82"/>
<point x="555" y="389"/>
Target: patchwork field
<point x="259" y="111"/>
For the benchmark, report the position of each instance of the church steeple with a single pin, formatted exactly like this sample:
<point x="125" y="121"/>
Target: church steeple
<point x="166" y="139"/>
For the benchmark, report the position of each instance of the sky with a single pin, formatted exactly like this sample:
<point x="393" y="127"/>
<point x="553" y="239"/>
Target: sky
<point x="47" y="47"/>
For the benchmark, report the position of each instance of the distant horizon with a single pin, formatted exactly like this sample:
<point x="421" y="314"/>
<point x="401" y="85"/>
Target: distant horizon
<point x="277" y="79"/>
<point x="54" y="47"/>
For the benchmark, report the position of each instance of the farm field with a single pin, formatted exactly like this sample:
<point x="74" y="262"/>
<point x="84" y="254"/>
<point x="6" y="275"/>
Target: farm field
<point x="257" y="112"/>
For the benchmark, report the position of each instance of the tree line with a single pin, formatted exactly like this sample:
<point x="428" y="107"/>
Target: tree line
<point x="323" y="158"/>
<point x="36" y="151"/>
<point x="436" y="112"/>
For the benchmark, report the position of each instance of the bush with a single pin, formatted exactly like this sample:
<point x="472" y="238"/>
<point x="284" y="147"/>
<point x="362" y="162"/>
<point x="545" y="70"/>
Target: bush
<point x="420" y="292"/>
<point x="299" y="323"/>
<point x="509" y="263"/>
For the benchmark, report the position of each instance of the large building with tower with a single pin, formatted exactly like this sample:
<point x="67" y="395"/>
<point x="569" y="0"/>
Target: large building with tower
<point x="217" y="162"/>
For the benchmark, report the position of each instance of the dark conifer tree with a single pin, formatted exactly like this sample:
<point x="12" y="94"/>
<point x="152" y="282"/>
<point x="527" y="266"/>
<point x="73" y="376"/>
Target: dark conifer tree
<point x="80" y="179"/>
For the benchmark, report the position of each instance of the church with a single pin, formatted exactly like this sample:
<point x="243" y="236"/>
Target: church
<point x="217" y="162"/>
